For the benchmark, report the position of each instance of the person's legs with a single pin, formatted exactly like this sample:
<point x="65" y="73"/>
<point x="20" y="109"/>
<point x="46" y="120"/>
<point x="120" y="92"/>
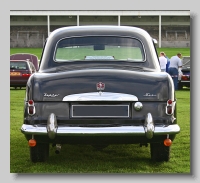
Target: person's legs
<point x="175" y="79"/>
<point x="174" y="74"/>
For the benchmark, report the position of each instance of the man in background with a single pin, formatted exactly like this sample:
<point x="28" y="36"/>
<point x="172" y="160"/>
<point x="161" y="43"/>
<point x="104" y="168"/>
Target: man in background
<point x="163" y="61"/>
<point x="175" y="68"/>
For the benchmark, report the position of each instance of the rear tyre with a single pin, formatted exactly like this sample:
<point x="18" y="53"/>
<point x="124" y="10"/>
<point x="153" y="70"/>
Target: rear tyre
<point x="39" y="153"/>
<point x="180" y="86"/>
<point x="159" y="152"/>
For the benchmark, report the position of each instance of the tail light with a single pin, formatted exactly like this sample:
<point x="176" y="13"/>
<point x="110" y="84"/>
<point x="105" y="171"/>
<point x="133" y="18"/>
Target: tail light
<point x="170" y="107"/>
<point x="169" y="102"/>
<point x="26" y="75"/>
<point x="31" y="107"/>
<point x="185" y="77"/>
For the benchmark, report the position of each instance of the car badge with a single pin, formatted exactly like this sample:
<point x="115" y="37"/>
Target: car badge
<point x="149" y="95"/>
<point x="100" y="86"/>
<point x="50" y="95"/>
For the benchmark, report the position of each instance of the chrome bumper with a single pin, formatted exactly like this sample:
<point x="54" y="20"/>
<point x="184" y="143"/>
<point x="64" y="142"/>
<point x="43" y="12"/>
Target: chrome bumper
<point x="123" y="130"/>
<point x="52" y="129"/>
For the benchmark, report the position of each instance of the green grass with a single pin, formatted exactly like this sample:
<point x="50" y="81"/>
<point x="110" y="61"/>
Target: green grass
<point x="173" y="51"/>
<point x="113" y="159"/>
<point x="169" y="51"/>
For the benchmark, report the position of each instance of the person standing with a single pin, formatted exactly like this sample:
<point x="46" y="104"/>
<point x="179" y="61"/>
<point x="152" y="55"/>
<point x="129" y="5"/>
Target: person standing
<point x="175" y="68"/>
<point x="168" y="62"/>
<point x="163" y="61"/>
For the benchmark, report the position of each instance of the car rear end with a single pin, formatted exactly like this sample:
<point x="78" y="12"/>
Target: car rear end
<point x="20" y="71"/>
<point x="134" y="108"/>
<point x="185" y="78"/>
<point x="101" y="89"/>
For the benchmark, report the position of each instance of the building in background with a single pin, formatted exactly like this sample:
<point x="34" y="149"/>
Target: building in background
<point x="31" y="28"/>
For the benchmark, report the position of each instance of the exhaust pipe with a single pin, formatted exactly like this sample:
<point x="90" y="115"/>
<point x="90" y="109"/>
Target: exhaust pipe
<point x="58" y="148"/>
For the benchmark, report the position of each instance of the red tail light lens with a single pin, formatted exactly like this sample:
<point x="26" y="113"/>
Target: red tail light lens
<point x="26" y="75"/>
<point x="169" y="102"/>
<point x="169" y="109"/>
<point x="30" y="102"/>
<point x="185" y="77"/>
<point x="31" y="110"/>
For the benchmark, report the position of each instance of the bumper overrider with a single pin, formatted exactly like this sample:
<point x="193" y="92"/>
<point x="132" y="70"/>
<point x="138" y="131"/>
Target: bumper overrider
<point x="52" y="129"/>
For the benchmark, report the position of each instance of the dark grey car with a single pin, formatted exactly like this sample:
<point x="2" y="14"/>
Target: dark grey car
<point x="100" y="85"/>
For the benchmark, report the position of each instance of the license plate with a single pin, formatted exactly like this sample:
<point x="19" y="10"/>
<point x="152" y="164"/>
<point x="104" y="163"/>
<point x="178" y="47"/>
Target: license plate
<point x="100" y="111"/>
<point x="15" y="73"/>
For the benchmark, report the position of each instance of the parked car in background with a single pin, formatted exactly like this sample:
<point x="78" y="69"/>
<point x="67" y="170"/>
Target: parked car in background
<point x="20" y="71"/>
<point x="184" y="81"/>
<point x="26" y="56"/>
<point x="100" y="85"/>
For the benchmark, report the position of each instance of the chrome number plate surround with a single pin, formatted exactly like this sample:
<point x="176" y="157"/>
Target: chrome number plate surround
<point x="100" y="111"/>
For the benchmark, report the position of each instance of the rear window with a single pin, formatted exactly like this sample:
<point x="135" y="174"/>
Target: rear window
<point x="18" y="65"/>
<point x="99" y="48"/>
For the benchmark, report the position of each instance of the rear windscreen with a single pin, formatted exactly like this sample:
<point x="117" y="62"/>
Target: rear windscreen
<point x="99" y="48"/>
<point x="18" y="65"/>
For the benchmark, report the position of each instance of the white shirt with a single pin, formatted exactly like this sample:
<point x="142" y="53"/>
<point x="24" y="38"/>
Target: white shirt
<point x="163" y="62"/>
<point x="175" y="62"/>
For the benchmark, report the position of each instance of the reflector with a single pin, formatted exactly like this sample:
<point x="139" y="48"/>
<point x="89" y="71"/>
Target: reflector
<point x="167" y="142"/>
<point x="32" y="142"/>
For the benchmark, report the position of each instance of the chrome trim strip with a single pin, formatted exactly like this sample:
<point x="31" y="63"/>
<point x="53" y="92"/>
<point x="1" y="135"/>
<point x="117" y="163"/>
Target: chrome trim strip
<point x="82" y="131"/>
<point x="185" y="81"/>
<point x="103" y="96"/>
<point x="101" y="116"/>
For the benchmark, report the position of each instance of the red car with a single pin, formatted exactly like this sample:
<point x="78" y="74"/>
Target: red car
<point x="26" y="56"/>
<point x="20" y="71"/>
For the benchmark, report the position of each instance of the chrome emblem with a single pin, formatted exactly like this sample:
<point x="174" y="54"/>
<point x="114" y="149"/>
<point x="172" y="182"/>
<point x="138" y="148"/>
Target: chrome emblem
<point x="100" y="86"/>
<point x="149" y="95"/>
<point x="50" y="95"/>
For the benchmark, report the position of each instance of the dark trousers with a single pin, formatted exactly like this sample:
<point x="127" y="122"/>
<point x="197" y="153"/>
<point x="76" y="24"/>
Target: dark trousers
<point x="174" y="74"/>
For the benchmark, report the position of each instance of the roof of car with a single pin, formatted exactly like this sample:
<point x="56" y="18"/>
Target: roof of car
<point x="20" y="60"/>
<point x="98" y="30"/>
